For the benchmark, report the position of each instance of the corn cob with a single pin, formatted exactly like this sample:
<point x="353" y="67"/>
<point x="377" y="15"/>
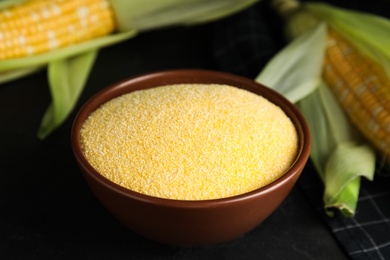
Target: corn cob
<point x="362" y="87"/>
<point x="38" y="26"/>
<point x="359" y="83"/>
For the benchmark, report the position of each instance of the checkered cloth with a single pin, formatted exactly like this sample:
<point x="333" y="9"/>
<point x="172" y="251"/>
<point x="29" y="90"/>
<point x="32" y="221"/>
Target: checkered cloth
<point x="242" y="45"/>
<point x="367" y="234"/>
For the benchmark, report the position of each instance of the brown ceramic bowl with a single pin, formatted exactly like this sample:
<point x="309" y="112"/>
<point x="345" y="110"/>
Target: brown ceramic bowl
<point x="191" y="223"/>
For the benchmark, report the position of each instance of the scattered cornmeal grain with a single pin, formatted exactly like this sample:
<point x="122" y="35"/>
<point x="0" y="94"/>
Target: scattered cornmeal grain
<point x="190" y="141"/>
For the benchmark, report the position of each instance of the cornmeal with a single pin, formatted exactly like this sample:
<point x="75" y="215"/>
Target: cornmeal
<point x="190" y="141"/>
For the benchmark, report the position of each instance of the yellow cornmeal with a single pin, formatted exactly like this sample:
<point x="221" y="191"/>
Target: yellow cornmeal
<point x="190" y="141"/>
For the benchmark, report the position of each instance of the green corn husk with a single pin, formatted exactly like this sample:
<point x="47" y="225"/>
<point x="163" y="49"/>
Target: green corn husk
<point x="340" y="154"/>
<point x="132" y="17"/>
<point x="10" y="75"/>
<point x="369" y="33"/>
<point x="67" y="78"/>
<point x="77" y="49"/>
<point x="145" y="15"/>
<point x="7" y="3"/>
<point x="299" y="64"/>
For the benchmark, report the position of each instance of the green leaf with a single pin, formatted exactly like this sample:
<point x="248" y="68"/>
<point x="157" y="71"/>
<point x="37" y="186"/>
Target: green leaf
<point x="368" y="32"/>
<point x="150" y="14"/>
<point x="17" y="73"/>
<point x="45" y="58"/>
<point x="296" y="70"/>
<point x="8" y="3"/>
<point x="322" y="139"/>
<point x="345" y="201"/>
<point x="67" y="78"/>
<point x="339" y="125"/>
<point x="339" y="153"/>
<point x="347" y="163"/>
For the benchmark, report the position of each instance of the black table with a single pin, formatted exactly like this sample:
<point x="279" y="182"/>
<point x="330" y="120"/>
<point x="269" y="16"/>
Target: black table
<point x="47" y="210"/>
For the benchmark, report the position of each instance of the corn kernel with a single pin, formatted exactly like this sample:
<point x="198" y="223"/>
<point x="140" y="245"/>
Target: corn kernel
<point x="361" y="86"/>
<point x="44" y="25"/>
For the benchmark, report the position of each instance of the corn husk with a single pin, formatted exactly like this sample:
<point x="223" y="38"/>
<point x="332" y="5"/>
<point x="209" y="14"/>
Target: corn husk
<point x="340" y="154"/>
<point x="144" y="15"/>
<point x="132" y="18"/>
<point x="10" y="75"/>
<point x="296" y="70"/>
<point x="67" y="78"/>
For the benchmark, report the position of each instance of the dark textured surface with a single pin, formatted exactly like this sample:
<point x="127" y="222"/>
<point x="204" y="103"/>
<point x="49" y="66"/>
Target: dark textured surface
<point x="48" y="212"/>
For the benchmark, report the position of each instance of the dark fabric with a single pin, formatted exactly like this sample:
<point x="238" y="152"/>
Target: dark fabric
<point x="242" y="45"/>
<point x="245" y="42"/>
<point x="367" y="234"/>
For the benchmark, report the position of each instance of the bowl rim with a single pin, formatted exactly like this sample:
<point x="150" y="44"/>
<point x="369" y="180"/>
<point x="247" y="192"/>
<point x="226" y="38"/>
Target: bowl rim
<point x="118" y="88"/>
